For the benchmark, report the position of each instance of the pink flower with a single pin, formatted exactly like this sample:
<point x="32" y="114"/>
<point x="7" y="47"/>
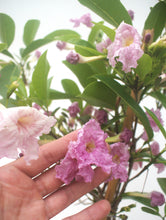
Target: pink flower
<point x="152" y="123"/>
<point x="160" y="167"/>
<point x="19" y="131"/>
<point x="37" y="54"/>
<point x="103" y="45"/>
<point x="72" y="57"/>
<point x="85" y="19"/>
<point x="157" y="199"/>
<point x="74" y="109"/>
<point x="101" y="116"/>
<point x="61" y="45"/>
<point x="131" y="13"/>
<point x="120" y="157"/>
<point x="126" y="47"/>
<point x="125" y="136"/>
<point x="89" y="150"/>
<point x="155" y="148"/>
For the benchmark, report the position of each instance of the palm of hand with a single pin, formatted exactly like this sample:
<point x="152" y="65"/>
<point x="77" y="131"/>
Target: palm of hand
<point x="20" y="196"/>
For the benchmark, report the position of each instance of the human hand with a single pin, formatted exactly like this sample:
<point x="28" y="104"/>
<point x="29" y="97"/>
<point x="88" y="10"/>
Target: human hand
<point x="33" y="192"/>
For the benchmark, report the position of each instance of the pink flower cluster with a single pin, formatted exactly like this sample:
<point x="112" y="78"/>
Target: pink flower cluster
<point x="19" y="129"/>
<point x="126" y="47"/>
<point x="90" y="150"/>
<point x="84" y="19"/>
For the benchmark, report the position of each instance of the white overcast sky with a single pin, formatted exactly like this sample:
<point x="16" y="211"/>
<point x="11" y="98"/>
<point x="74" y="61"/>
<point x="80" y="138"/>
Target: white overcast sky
<point x="53" y="15"/>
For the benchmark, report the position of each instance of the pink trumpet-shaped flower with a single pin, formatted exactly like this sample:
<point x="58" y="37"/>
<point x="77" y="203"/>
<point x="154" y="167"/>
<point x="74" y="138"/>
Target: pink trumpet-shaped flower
<point x="89" y="150"/>
<point x="19" y="129"/>
<point x="126" y="47"/>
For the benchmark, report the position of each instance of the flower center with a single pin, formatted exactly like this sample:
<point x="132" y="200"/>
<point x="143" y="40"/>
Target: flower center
<point x="90" y="146"/>
<point x="116" y="159"/>
<point x="24" y="121"/>
<point x="128" y="41"/>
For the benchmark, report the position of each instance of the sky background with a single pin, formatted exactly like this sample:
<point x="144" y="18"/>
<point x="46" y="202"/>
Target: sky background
<point x="53" y="15"/>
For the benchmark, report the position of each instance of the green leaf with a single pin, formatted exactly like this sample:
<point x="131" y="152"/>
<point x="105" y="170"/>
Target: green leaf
<point x="162" y="183"/>
<point x="3" y="46"/>
<point x="142" y="198"/>
<point x="156" y="120"/>
<point x="7" y="29"/>
<point x="150" y="211"/>
<point x="144" y="66"/>
<point x="71" y="88"/>
<point x="82" y="71"/>
<point x="110" y="10"/>
<point x="63" y="35"/>
<point x="34" y="45"/>
<point x="96" y="30"/>
<point x="86" y="51"/>
<point x="30" y="30"/>
<point x="100" y="95"/>
<point x="120" y="91"/>
<point x="156" y="19"/>
<point x="54" y="94"/>
<point x="39" y="79"/>
<point x="8" y="74"/>
<point x="160" y="97"/>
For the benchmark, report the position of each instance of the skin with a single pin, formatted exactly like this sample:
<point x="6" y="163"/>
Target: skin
<point x="33" y="192"/>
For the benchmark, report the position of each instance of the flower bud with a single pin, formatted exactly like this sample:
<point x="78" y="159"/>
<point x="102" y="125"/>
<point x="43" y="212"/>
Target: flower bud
<point x="157" y="199"/>
<point x="131" y="13"/>
<point x="72" y="57"/>
<point x="61" y="45"/>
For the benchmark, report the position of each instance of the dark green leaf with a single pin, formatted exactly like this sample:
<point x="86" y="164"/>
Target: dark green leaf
<point x="7" y="29"/>
<point x="71" y="88"/>
<point x="120" y="91"/>
<point x="83" y="72"/>
<point x="100" y="95"/>
<point x="162" y="183"/>
<point x="8" y="74"/>
<point x="150" y="211"/>
<point x="156" y="19"/>
<point x="110" y="10"/>
<point x="54" y="94"/>
<point x="39" y="79"/>
<point x="156" y="120"/>
<point x="30" y="30"/>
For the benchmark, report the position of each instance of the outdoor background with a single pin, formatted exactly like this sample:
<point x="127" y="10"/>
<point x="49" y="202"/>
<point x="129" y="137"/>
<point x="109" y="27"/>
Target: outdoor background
<point x="53" y="15"/>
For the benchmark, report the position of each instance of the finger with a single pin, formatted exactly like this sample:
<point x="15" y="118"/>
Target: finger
<point x="48" y="155"/>
<point x="59" y="200"/>
<point x="97" y="211"/>
<point x="47" y="182"/>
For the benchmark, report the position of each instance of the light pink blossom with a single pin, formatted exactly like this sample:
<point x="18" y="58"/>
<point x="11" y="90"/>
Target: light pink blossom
<point x="61" y="45"/>
<point x="84" y="19"/>
<point x="157" y="199"/>
<point x="89" y="150"/>
<point x="126" y="47"/>
<point x="19" y="130"/>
